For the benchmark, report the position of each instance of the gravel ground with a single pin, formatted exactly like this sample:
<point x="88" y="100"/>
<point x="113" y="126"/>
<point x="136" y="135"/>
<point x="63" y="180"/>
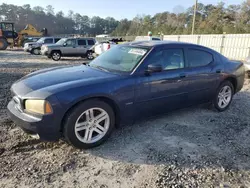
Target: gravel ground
<point x="195" y="147"/>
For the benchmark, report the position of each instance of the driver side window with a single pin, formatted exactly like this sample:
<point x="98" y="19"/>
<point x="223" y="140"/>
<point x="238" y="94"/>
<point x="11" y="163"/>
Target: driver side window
<point x="71" y="42"/>
<point x="169" y="59"/>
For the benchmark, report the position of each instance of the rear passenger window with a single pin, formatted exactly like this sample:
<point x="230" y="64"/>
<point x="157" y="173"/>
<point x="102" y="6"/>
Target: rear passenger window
<point x="91" y="42"/>
<point x="48" y="41"/>
<point x="81" y="42"/>
<point x="156" y="39"/>
<point x="198" y="58"/>
<point x="57" y="39"/>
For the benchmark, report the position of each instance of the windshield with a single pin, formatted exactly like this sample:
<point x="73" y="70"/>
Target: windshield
<point x="41" y="40"/>
<point x="120" y="58"/>
<point x="61" y="41"/>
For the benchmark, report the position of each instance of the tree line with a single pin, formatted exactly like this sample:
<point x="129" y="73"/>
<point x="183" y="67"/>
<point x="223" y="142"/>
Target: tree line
<point x="56" y="23"/>
<point x="210" y="19"/>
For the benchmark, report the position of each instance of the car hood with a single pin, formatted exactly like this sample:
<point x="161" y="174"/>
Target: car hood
<point x="60" y="78"/>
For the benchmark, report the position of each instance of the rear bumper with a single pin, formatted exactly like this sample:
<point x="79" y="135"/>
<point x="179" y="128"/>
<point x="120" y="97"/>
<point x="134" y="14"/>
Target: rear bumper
<point x="247" y="67"/>
<point x="45" y="126"/>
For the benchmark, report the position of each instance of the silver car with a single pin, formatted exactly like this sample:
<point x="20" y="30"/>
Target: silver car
<point x="35" y="47"/>
<point x="68" y="47"/>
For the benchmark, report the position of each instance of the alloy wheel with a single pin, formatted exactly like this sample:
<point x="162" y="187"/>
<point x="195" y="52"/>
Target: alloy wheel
<point x="90" y="56"/>
<point x="92" y="125"/>
<point x="36" y="52"/>
<point x="56" y="56"/>
<point x="225" y="96"/>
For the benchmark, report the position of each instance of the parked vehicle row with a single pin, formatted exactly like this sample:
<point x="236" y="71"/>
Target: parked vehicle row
<point x="35" y="47"/>
<point x="68" y="47"/>
<point x="55" y="47"/>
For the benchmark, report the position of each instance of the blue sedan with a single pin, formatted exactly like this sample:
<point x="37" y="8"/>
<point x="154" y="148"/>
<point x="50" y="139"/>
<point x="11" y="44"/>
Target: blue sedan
<point x="135" y="80"/>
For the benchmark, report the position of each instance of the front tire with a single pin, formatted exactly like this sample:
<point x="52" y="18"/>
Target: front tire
<point x="3" y="44"/>
<point x="35" y="51"/>
<point x="56" y="56"/>
<point x="224" y="96"/>
<point x="89" y="124"/>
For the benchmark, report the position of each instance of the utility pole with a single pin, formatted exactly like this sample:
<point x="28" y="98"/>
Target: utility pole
<point x="195" y="8"/>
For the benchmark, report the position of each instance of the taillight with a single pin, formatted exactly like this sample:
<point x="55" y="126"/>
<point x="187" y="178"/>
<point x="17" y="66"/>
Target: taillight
<point x="108" y="46"/>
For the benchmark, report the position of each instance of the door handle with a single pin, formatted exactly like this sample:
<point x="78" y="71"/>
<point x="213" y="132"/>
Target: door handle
<point x="183" y="75"/>
<point x="218" y="71"/>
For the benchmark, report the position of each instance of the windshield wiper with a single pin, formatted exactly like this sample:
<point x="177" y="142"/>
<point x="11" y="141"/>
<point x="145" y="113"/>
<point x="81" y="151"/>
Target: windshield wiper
<point x="100" y="68"/>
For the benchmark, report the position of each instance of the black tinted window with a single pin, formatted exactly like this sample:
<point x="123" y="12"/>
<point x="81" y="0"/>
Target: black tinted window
<point x="197" y="58"/>
<point x="48" y="41"/>
<point x="168" y="59"/>
<point x="156" y="39"/>
<point x="91" y="42"/>
<point x="81" y="42"/>
<point x="57" y="39"/>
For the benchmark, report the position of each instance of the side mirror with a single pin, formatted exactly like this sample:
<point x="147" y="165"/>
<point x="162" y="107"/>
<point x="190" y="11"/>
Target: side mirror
<point x="154" y="68"/>
<point x="64" y="44"/>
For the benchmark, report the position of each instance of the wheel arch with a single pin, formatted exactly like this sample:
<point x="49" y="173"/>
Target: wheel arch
<point x="55" y="51"/>
<point x="233" y="80"/>
<point x="3" y="37"/>
<point x="105" y="99"/>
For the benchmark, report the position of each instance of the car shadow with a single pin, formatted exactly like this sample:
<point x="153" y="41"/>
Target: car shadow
<point x="197" y="136"/>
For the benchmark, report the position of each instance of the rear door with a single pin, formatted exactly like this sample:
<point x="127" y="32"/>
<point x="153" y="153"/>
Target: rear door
<point x="81" y="47"/>
<point x="202" y="74"/>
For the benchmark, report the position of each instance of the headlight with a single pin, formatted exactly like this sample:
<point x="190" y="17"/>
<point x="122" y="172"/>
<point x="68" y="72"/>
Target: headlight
<point x="38" y="106"/>
<point x="44" y="48"/>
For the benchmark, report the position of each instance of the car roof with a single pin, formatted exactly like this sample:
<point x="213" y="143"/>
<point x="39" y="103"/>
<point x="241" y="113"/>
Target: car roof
<point x="81" y="38"/>
<point x="153" y="43"/>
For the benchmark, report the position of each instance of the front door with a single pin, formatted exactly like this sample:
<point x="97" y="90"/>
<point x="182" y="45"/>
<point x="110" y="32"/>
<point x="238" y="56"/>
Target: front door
<point x="69" y="49"/>
<point x="162" y="91"/>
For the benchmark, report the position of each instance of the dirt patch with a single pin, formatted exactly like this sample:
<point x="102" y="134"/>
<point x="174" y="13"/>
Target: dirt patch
<point x="195" y="147"/>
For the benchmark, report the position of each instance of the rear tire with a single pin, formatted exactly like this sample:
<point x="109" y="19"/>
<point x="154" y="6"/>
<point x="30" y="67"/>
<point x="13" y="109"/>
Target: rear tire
<point x="56" y="55"/>
<point x="224" y="96"/>
<point x="89" y="124"/>
<point x="89" y="55"/>
<point x="3" y="44"/>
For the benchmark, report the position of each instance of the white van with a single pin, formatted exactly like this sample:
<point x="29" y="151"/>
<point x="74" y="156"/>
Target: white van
<point x="143" y="38"/>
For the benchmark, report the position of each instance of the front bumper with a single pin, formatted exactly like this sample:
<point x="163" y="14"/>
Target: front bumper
<point x="44" y="126"/>
<point x="45" y="52"/>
